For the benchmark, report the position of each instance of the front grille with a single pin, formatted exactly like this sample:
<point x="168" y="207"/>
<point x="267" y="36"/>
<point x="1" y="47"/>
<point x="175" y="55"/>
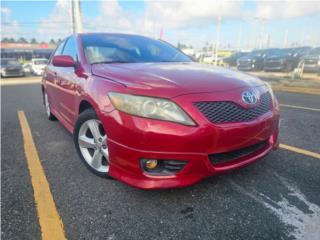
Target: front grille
<point x="173" y="166"/>
<point x="227" y="112"/>
<point x="310" y="61"/>
<point x="218" y="158"/>
<point x="244" y="62"/>
<point x="12" y="71"/>
<point x="272" y="64"/>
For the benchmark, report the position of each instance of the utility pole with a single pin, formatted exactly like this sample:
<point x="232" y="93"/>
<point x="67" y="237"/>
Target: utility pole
<point x="71" y="13"/>
<point x="263" y="35"/>
<point x="77" y="14"/>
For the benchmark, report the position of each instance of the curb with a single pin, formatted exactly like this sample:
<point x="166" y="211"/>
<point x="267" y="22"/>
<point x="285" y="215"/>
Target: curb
<point x="310" y="91"/>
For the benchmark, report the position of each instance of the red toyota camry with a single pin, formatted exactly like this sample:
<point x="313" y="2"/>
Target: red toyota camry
<point x="144" y="113"/>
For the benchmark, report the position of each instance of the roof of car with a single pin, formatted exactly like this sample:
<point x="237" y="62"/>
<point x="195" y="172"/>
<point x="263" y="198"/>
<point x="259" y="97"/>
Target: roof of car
<point x="110" y="34"/>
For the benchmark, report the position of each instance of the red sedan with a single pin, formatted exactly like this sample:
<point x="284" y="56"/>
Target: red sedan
<point x="144" y="113"/>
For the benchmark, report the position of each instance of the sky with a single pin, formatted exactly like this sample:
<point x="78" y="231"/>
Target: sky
<point x="244" y="24"/>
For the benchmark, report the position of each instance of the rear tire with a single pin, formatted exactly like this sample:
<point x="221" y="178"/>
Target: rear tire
<point x="50" y="116"/>
<point x="90" y="141"/>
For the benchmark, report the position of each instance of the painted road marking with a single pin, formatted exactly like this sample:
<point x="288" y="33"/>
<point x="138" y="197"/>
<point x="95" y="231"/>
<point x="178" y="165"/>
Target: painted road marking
<point x="49" y="219"/>
<point x="299" y="107"/>
<point x="19" y="82"/>
<point x="300" y="150"/>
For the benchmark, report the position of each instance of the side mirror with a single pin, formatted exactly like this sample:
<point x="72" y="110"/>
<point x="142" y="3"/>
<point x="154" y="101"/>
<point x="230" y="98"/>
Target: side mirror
<point x="63" y="61"/>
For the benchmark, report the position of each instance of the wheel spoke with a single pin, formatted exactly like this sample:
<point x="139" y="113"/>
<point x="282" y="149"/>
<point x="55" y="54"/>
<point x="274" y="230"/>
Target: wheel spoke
<point x="94" y="128"/>
<point x="105" y="153"/>
<point x="86" y="142"/>
<point x="96" y="159"/>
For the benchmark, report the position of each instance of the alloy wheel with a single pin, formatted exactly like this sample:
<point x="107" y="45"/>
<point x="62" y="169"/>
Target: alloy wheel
<point x="93" y="145"/>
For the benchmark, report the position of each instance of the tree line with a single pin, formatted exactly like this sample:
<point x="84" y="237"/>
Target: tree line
<point x="32" y="41"/>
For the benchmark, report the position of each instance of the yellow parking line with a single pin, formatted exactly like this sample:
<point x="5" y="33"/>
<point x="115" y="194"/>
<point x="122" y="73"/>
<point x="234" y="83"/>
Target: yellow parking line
<point x="300" y="150"/>
<point x="19" y="82"/>
<point x="299" y="107"/>
<point x="49" y="219"/>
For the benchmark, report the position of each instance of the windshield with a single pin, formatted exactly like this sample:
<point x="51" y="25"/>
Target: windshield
<point x="104" y="48"/>
<point x="255" y="53"/>
<point x="40" y="62"/>
<point x="8" y="62"/>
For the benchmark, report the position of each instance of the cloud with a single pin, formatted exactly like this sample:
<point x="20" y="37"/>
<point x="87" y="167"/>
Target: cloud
<point x="112" y="18"/>
<point x="57" y="24"/>
<point x="186" y="14"/>
<point x="9" y="28"/>
<point x="273" y="10"/>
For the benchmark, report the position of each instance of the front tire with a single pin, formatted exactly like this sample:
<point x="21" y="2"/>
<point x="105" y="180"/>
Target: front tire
<point x="90" y="141"/>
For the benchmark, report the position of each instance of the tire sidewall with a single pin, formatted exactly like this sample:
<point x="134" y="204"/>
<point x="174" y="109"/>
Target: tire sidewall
<point x="51" y="117"/>
<point x="83" y="117"/>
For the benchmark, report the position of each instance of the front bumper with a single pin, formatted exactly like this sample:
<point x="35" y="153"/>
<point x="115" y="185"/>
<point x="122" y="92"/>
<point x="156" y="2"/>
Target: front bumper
<point x="274" y="66"/>
<point x="12" y="73"/>
<point x="247" y="67"/>
<point x="131" y="139"/>
<point x="38" y="72"/>
<point x="312" y="68"/>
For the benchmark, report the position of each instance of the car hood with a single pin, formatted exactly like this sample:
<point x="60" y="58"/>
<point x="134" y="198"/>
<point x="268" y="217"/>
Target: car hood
<point x="173" y="79"/>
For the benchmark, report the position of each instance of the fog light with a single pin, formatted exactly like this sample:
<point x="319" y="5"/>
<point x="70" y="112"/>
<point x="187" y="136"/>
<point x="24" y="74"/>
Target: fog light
<point x="151" y="163"/>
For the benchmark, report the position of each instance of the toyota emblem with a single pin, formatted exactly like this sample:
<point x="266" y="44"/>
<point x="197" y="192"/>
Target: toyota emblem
<point x="249" y="97"/>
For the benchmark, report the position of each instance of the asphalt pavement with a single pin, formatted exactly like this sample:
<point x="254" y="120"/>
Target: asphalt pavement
<point x="278" y="197"/>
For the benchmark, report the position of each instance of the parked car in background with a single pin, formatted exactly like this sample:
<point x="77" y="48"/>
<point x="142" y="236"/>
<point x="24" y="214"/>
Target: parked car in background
<point x="311" y="61"/>
<point x="282" y="60"/>
<point x="212" y="60"/>
<point x="11" y="68"/>
<point x="38" y="65"/>
<point x="27" y="68"/>
<point x="232" y="60"/>
<point x="254" y="60"/>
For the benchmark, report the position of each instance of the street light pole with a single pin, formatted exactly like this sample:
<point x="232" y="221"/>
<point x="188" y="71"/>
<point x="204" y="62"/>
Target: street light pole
<point x="217" y="40"/>
<point x="285" y="41"/>
<point x="239" y="37"/>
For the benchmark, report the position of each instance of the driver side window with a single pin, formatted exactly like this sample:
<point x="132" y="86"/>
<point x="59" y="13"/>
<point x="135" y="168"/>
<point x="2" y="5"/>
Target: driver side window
<point x="70" y="49"/>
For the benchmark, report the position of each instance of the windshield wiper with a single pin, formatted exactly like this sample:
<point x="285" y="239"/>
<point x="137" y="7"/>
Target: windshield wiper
<point x="106" y="62"/>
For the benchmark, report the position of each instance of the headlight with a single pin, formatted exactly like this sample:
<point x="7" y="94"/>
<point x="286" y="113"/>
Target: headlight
<point x="253" y="60"/>
<point x="275" y="101"/>
<point x="149" y="107"/>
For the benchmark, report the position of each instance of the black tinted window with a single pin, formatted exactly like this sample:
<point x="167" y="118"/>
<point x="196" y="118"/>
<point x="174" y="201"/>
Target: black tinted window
<point x="70" y="49"/>
<point x="104" y="48"/>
